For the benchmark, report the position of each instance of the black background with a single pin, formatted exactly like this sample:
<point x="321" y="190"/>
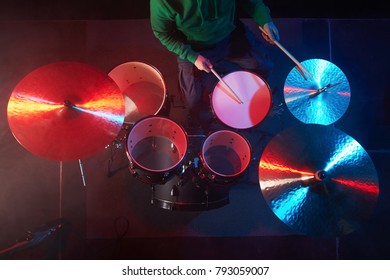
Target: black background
<point x="123" y="9"/>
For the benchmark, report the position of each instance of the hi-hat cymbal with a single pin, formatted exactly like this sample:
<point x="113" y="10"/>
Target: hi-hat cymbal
<point x="318" y="180"/>
<point x="65" y="111"/>
<point x="322" y="99"/>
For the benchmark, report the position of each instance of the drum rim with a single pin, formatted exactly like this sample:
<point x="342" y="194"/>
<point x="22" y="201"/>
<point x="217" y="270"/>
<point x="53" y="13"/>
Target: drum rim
<point x="242" y="169"/>
<point x="242" y="128"/>
<point x="132" y="160"/>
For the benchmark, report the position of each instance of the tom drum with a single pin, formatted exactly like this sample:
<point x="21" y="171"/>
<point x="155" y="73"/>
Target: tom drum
<point x="156" y="148"/>
<point x="143" y="88"/>
<point x="225" y="156"/>
<point x="252" y="90"/>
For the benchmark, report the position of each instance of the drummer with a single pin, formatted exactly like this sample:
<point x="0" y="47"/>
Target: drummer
<point x="208" y="34"/>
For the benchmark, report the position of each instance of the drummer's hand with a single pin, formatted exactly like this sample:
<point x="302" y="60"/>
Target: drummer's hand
<point x="203" y="64"/>
<point x="272" y="32"/>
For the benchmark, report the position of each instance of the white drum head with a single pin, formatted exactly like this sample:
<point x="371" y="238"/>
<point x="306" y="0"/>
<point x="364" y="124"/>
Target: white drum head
<point x="252" y="90"/>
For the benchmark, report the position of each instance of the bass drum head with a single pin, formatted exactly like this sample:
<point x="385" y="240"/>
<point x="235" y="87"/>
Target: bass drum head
<point x="252" y="90"/>
<point x="143" y="89"/>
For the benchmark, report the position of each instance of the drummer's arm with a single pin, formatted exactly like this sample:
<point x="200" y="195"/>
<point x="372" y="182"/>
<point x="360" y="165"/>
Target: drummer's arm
<point x="272" y="32"/>
<point x="164" y="28"/>
<point x="163" y="33"/>
<point x="262" y="15"/>
<point x="203" y="64"/>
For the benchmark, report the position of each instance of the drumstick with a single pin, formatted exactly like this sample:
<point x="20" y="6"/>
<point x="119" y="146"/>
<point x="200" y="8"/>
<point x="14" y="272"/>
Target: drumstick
<point x="226" y="85"/>
<point x="287" y="53"/>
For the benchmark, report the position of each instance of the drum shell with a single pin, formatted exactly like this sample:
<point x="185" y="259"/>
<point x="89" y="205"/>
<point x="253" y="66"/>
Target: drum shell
<point x="229" y="159"/>
<point x="143" y="88"/>
<point x="156" y="162"/>
<point x="187" y="192"/>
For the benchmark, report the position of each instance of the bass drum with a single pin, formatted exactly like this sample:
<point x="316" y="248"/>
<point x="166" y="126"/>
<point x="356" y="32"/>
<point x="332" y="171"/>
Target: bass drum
<point x="254" y="93"/>
<point x="143" y="89"/>
<point x="156" y="148"/>
<point x="225" y="156"/>
<point x="187" y="192"/>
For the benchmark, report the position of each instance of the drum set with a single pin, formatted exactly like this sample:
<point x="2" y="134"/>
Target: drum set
<point x="59" y="109"/>
<point x="158" y="148"/>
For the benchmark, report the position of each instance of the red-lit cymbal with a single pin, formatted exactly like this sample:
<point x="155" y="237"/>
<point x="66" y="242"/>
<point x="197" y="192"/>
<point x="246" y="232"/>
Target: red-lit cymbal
<point x="318" y="180"/>
<point x="65" y="111"/>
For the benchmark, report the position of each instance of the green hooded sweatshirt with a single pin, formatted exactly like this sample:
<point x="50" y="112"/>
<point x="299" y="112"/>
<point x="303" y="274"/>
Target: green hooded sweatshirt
<point x="202" y="22"/>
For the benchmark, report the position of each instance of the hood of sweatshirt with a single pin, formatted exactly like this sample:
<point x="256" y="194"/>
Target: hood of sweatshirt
<point x="208" y="10"/>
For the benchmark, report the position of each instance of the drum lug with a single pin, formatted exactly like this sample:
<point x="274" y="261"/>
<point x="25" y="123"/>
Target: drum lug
<point x="132" y="171"/>
<point x="166" y="174"/>
<point x="179" y="183"/>
<point x="131" y="168"/>
<point x="174" y="191"/>
<point x="182" y="170"/>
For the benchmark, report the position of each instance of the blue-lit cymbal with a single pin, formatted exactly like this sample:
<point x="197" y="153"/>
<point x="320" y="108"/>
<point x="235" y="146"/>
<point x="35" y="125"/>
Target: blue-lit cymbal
<point x="322" y="99"/>
<point x="318" y="180"/>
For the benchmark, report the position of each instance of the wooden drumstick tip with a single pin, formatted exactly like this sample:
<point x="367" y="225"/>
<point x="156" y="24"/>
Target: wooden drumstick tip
<point x="227" y="86"/>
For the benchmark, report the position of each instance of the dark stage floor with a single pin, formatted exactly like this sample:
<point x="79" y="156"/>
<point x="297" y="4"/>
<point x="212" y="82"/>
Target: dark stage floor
<point x="112" y="217"/>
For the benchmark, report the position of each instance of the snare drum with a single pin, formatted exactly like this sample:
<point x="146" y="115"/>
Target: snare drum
<point x="156" y="148"/>
<point x="225" y="156"/>
<point x="143" y="89"/>
<point x="252" y="90"/>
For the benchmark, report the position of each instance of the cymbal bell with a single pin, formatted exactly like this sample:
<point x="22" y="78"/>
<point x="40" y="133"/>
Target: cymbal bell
<point x="65" y="111"/>
<point x="318" y="180"/>
<point x="322" y="99"/>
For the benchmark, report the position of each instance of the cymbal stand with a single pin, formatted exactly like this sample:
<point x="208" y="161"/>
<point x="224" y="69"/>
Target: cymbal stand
<point x="118" y="144"/>
<point x="62" y="183"/>
<point x="337" y="248"/>
<point x="60" y="190"/>
<point x="60" y="198"/>
<point x="60" y="208"/>
<point x="82" y="173"/>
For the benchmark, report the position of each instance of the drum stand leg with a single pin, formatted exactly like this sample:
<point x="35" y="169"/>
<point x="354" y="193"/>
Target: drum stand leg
<point x="60" y="191"/>
<point x="82" y="173"/>
<point x="113" y="148"/>
<point x="110" y="161"/>
<point x="60" y="200"/>
<point x="60" y="209"/>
